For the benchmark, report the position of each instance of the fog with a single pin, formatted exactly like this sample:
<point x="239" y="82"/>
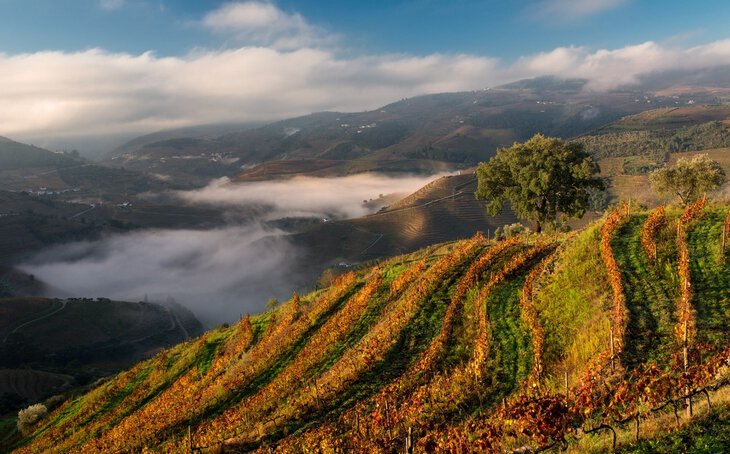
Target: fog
<point x="340" y="197"/>
<point x="222" y="273"/>
<point x="219" y="274"/>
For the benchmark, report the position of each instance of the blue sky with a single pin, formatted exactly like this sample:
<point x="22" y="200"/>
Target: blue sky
<point x="102" y="67"/>
<point x="505" y="29"/>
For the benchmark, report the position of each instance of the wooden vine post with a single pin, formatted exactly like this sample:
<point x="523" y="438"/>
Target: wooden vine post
<point x="409" y="441"/>
<point x="685" y="354"/>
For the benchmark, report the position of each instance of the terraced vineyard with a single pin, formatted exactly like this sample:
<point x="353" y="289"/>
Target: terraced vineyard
<point x="475" y="345"/>
<point x="651" y="292"/>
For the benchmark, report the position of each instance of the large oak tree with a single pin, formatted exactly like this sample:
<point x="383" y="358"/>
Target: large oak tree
<point x="541" y="178"/>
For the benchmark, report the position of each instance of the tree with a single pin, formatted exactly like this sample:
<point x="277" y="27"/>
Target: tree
<point x="541" y="178"/>
<point x="688" y="178"/>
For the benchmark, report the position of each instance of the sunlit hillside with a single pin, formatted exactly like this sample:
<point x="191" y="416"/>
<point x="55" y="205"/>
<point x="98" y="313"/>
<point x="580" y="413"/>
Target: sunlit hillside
<point x="476" y="345"/>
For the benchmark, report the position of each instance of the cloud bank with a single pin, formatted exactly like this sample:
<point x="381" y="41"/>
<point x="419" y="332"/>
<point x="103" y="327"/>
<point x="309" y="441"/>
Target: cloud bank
<point x="219" y="274"/>
<point x="279" y="65"/>
<point x="305" y="196"/>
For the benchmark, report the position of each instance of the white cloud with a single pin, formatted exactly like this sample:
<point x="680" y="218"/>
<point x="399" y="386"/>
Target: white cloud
<point x="606" y="69"/>
<point x="261" y="23"/>
<point x="575" y="9"/>
<point x="306" y="196"/>
<point x="96" y="92"/>
<point x="111" y="5"/>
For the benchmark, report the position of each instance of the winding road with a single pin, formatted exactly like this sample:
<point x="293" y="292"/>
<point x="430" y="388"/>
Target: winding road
<point x="63" y="306"/>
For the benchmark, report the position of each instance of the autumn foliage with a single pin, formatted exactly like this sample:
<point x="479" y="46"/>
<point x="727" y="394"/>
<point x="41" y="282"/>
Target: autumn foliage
<point x="406" y="356"/>
<point x="685" y="329"/>
<point x="619" y="313"/>
<point x="656" y="220"/>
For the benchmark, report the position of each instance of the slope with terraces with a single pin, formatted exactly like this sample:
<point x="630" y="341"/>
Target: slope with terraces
<point x="534" y="343"/>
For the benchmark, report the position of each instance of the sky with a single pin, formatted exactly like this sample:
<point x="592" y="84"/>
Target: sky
<point x="84" y="69"/>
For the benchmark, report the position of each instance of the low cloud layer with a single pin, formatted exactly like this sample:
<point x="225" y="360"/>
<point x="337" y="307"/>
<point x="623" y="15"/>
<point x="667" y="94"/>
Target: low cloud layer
<point x="305" y="196"/>
<point x="219" y="274"/>
<point x="279" y="65"/>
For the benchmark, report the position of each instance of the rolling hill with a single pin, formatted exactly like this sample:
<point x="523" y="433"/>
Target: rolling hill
<point x="657" y="132"/>
<point x="570" y="341"/>
<point x="16" y="155"/>
<point x="444" y="210"/>
<point x="39" y="357"/>
<point x="424" y="133"/>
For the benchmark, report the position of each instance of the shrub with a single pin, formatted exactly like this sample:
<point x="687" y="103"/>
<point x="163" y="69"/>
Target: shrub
<point x="28" y="417"/>
<point x="508" y="231"/>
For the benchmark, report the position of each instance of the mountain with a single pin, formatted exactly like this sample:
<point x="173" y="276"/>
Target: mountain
<point x="16" y="155"/>
<point x="420" y="134"/>
<point x="201" y="131"/>
<point x="568" y="340"/>
<point x="32" y="169"/>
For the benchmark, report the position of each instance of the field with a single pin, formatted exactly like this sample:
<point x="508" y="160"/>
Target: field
<point x="475" y="345"/>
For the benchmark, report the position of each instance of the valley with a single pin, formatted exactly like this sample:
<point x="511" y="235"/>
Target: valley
<point x="378" y="358"/>
<point x="209" y="223"/>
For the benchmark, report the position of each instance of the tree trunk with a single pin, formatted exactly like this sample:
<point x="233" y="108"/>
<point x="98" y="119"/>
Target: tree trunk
<point x="538" y="227"/>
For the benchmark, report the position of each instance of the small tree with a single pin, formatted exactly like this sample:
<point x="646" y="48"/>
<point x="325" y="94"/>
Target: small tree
<point x="688" y="178"/>
<point x="29" y="417"/>
<point x="541" y="178"/>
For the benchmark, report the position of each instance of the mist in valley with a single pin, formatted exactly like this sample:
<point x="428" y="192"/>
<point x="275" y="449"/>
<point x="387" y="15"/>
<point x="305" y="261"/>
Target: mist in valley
<point x="340" y="198"/>
<point x="223" y="273"/>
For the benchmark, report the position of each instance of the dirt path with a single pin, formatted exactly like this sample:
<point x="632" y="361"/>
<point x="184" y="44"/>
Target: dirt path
<point x="82" y="212"/>
<point x="63" y="306"/>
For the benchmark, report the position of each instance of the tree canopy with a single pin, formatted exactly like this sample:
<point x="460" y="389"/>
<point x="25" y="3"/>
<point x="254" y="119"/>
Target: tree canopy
<point x="541" y="179"/>
<point x="688" y="178"/>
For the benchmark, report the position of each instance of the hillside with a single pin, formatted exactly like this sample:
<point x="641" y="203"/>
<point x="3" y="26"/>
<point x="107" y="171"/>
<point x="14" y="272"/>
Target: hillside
<point x="444" y="210"/>
<point x="657" y="132"/>
<point x="464" y="346"/>
<point x="424" y="133"/>
<point x="39" y="357"/>
<point x="16" y="155"/>
<point x="629" y="176"/>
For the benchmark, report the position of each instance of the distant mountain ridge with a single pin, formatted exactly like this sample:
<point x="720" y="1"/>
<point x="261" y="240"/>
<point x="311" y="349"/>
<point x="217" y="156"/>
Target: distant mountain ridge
<point x="16" y="155"/>
<point x="420" y="134"/>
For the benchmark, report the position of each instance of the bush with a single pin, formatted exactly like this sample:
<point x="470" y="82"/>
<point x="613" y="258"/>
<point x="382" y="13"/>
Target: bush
<point x="29" y="417"/>
<point x="508" y="231"/>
